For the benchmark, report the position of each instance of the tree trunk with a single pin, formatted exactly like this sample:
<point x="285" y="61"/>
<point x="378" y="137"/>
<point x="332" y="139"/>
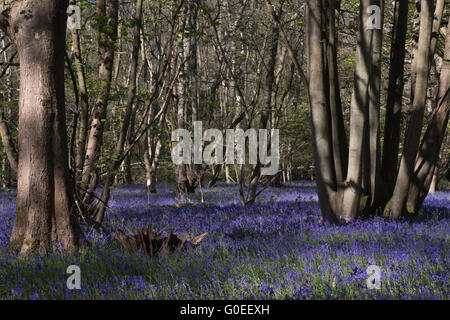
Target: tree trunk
<point x="428" y="155"/>
<point x="44" y="213"/>
<point x="84" y="101"/>
<point x="358" y="117"/>
<point x="320" y="125"/>
<point x="8" y="143"/>
<point x="414" y="128"/>
<point x="392" y="128"/>
<point x="115" y="163"/>
<point x="267" y="111"/>
<point x="185" y="184"/>
<point x="106" y="42"/>
<point x="340" y="147"/>
<point x="372" y="154"/>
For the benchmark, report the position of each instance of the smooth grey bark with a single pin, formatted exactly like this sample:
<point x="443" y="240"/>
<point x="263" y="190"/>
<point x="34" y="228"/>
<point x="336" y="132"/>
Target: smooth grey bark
<point x="428" y="154"/>
<point x="372" y="152"/>
<point x="358" y="117"/>
<point x="340" y="147"/>
<point x="414" y="127"/>
<point x="320" y="125"/>
<point x="392" y="128"/>
<point x="44" y="212"/>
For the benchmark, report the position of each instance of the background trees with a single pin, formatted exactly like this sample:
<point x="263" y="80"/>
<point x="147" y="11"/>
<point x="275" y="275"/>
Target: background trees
<point x="135" y="71"/>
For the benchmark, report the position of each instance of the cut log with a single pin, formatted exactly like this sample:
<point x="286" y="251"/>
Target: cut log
<point x="149" y="241"/>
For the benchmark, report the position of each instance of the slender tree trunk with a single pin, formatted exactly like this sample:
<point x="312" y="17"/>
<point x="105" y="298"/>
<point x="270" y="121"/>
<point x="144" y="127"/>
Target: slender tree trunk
<point x="414" y="128"/>
<point x="358" y="120"/>
<point x="8" y="143"/>
<point x="84" y="100"/>
<point x="428" y="155"/>
<point x="392" y="128"/>
<point x="185" y="183"/>
<point x="106" y="42"/>
<point x="340" y="147"/>
<point x="373" y="155"/>
<point x="266" y="112"/>
<point x="415" y="39"/>
<point x="156" y="151"/>
<point x="434" y="181"/>
<point x="437" y="19"/>
<point x="320" y="126"/>
<point x="115" y="164"/>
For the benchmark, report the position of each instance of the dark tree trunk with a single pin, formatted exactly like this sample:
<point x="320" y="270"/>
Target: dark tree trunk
<point x="266" y="112"/>
<point x="8" y="143"/>
<point x="392" y="128"/>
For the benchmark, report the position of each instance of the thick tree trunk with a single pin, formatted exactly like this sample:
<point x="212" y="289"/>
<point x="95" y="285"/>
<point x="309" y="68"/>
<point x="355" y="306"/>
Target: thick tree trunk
<point x="44" y="213"/>
<point x="414" y="128"/>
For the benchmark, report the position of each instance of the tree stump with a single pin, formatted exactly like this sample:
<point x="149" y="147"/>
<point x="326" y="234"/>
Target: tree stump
<point x="151" y="242"/>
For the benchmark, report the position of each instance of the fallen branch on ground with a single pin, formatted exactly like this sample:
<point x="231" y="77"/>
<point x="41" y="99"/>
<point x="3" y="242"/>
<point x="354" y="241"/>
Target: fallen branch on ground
<point x="150" y="241"/>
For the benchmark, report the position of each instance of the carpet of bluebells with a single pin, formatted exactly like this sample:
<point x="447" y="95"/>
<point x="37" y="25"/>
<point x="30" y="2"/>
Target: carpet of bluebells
<point x="275" y="249"/>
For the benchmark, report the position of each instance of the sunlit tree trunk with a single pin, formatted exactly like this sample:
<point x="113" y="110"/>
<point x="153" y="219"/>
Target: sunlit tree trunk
<point x="320" y="125"/>
<point x="428" y="155"/>
<point x="107" y="30"/>
<point x="414" y="127"/>
<point x="340" y="147"/>
<point x="358" y="117"/>
<point x="372" y="153"/>
<point x="84" y="100"/>
<point x="116" y="162"/>
<point x="44" y="212"/>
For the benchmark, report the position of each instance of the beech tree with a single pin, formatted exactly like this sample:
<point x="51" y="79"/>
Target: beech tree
<point x="44" y="214"/>
<point x="344" y="199"/>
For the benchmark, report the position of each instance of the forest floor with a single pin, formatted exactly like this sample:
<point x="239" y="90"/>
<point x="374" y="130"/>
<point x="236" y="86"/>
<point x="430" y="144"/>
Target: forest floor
<point x="274" y="249"/>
